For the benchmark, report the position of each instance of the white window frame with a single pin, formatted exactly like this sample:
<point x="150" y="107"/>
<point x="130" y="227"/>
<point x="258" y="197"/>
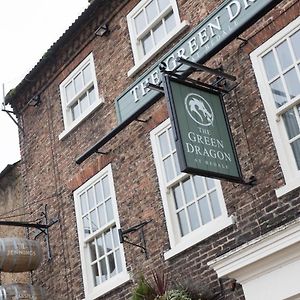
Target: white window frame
<point x="91" y="291"/>
<point x="284" y="151"/>
<point x="139" y="59"/>
<point x="177" y="242"/>
<point x="69" y="124"/>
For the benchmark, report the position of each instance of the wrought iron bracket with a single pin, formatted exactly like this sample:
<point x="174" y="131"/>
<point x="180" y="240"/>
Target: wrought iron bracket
<point x="10" y="113"/>
<point x="219" y="85"/>
<point x="43" y="228"/>
<point x="102" y="152"/>
<point x="251" y="182"/>
<point x="143" y="120"/>
<point x="142" y="245"/>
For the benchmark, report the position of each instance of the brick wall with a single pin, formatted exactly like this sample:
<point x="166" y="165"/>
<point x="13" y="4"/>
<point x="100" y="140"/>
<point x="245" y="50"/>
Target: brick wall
<point x="12" y="209"/>
<point x="50" y="174"/>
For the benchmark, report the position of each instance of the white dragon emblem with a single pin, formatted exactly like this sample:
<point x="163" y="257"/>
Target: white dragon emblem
<point x="201" y="108"/>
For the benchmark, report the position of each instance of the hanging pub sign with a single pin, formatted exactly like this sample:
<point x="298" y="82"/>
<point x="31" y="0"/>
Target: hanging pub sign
<point x="202" y="134"/>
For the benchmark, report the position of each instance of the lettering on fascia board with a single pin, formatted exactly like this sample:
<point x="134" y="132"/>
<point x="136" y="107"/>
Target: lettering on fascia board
<point x="207" y="36"/>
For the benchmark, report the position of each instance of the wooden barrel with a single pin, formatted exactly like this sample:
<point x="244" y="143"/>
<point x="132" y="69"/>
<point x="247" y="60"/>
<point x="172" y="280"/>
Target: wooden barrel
<point x="22" y="291"/>
<point x="19" y="255"/>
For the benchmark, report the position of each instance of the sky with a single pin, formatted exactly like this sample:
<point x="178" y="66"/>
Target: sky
<point x="27" y="30"/>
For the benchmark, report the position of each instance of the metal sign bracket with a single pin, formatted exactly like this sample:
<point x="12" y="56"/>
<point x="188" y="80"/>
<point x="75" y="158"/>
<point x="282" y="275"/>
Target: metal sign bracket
<point x="123" y="237"/>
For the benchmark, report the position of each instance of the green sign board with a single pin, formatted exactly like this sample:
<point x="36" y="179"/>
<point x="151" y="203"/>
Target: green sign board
<point x="224" y="24"/>
<point x="202" y="135"/>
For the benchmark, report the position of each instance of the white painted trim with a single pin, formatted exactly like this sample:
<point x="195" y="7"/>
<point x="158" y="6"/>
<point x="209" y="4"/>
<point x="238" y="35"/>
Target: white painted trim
<point x="68" y="124"/>
<point x="237" y="263"/>
<point x="178" y="243"/>
<point x="139" y="64"/>
<point x="284" y="151"/>
<point x="199" y="235"/>
<point x="75" y="124"/>
<point x="139" y="59"/>
<point x="92" y="292"/>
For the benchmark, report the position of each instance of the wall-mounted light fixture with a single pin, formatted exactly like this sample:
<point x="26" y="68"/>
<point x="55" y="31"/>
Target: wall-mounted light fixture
<point x="35" y="100"/>
<point x="102" y="30"/>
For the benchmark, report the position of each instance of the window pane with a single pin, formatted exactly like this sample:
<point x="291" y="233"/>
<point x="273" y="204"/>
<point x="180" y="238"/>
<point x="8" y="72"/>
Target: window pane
<point x="119" y="261"/>
<point x="296" y="150"/>
<point x="170" y="22"/>
<point x="215" y="204"/>
<point x="78" y="83"/>
<point x="199" y="185"/>
<point x="291" y="123"/>
<point x="101" y="213"/>
<point x="270" y="65"/>
<point x="106" y="190"/>
<point x="164" y="144"/>
<point x="193" y="216"/>
<point x="92" y="95"/>
<point x="91" y="198"/>
<point x="140" y="22"/>
<point x="204" y="210"/>
<point x="147" y="43"/>
<point x="94" y="220"/>
<point x="183" y="223"/>
<point x="172" y="140"/>
<point x="70" y="92"/>
<point x="178" y="197"/>
<point x="284" y="55"/>
<point x="158" y="33"/>
<point x="109" y="210"/>
<point x="100" y="247"/>
<point x="177" y="168"/>
<point x="188" y="191"/>
<point x="168" y="166"/>
<point x="99" y="198"/>
<point x="295" y="40"/>
<point x="103" y="269"/>
<point x="163" y="4"/>
<point x="210" y="183"/>
<point x="96" y="274"/>
<point x="93" y="251"/>
<point x="83" y="203"/>
<point x="87" y="74"/>
<point x="108" y="241"/>
<point x="292" y="82"/>
<point x="116" y="237"/>
<point x="151" y="12"/>
<point x="75" y="111"/>
<point x="112" y="265"/>
<point x="86" y="226"/>
<point x="278" y="93"/>
<point x="84" y="102"/>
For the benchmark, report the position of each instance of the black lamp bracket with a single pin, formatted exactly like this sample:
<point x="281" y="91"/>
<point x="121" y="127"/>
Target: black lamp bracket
<point x="142" y="245"/>
<point x="42" y="227"/>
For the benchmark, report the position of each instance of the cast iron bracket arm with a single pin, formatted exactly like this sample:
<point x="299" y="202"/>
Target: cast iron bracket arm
<point x="123" y="237"/>
<point x="9" y="112"/>
<point x="44" y="228"/>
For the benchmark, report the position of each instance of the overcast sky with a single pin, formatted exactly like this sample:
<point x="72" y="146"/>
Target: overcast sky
<point x="27" y="30"/>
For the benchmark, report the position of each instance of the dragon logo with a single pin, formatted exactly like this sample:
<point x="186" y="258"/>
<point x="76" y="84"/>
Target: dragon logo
<point x="199" y="109"/>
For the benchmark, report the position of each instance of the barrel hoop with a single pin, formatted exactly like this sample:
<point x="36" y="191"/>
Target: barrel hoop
<point x="16" y="292"/>
<point x="32" y="292"/>
<point x="3" y="295"/>
<point x="3" y="252"/>
<point x="30" y="257"/>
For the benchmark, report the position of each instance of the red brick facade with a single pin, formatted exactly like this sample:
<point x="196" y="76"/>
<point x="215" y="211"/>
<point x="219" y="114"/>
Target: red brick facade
<point x="50" y="174"/>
